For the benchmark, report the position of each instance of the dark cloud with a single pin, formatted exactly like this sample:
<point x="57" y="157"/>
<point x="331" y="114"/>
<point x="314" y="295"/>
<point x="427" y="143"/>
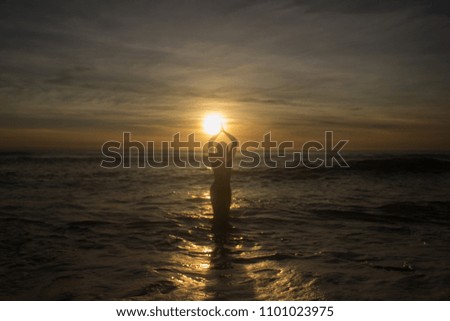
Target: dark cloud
<point x="110" y="64"/>
<point x="439" y="7"/>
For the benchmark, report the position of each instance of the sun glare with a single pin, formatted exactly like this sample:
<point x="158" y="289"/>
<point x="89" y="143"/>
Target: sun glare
<point x="213" y="123"/>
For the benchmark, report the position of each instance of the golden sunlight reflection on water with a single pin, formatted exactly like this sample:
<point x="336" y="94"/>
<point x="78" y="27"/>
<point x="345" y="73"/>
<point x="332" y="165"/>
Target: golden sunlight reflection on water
<point x="230" y="262"/>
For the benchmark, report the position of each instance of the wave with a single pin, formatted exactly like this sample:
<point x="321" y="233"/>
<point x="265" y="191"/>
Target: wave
<point x="408" y="165"/>
<point x="396" y="212"/>
<point x="402" y="164"/>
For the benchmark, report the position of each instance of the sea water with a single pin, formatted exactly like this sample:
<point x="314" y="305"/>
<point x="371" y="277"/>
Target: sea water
<point x="378" y="230"/>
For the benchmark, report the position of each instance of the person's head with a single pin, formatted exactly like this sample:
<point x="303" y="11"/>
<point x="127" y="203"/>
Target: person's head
<point x="219" y="150"/>
<point x="218" y="155"/>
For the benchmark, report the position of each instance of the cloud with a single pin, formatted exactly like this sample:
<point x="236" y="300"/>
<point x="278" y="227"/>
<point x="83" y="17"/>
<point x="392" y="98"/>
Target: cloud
<point x="439" y="7"/>
<point x="109" y="65"/>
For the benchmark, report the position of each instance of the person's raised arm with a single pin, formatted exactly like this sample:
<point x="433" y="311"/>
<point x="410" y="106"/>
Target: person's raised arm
<point x="213" y="139"/>
<point x="234" y="141"/>
<point x="231" y="137"/>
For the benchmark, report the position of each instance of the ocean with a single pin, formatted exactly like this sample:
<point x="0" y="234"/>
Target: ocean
<point x="378" y="230"/>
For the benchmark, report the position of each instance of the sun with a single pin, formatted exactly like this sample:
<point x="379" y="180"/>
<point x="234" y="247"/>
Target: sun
<point x="212" y="124"/>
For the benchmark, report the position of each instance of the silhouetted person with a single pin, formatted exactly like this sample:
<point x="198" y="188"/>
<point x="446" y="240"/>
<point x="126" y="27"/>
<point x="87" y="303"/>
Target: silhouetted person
<point x="220" y="191"/>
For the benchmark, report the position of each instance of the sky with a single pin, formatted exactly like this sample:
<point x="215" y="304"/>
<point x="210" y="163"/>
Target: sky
<point x="76" y="74"/>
